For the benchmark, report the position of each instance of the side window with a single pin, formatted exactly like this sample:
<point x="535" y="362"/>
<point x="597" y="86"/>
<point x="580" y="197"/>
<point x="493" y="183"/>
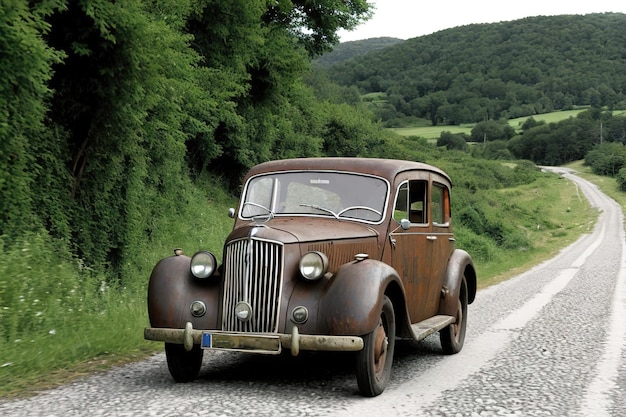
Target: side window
<point x="401" y="209"/>
<point x="411" y="202"/>
<point x="440" y="205"/>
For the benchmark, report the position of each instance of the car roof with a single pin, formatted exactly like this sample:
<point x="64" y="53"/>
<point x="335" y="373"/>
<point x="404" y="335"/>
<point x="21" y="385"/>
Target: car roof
<point x="386" y="168"/>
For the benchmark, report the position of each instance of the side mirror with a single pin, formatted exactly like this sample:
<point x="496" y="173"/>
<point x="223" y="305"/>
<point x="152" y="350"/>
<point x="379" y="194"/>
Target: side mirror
<point x="405" y="224"/>
<point x="231" y="213"/>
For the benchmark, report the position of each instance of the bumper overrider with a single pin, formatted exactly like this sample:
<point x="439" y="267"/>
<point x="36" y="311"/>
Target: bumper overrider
<point x="269" y="343"/>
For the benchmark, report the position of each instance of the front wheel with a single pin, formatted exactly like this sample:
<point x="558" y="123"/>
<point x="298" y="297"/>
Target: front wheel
<point x="453" y="336"/>
<point x="373" y="363"/>
<point x="184" y="366"/>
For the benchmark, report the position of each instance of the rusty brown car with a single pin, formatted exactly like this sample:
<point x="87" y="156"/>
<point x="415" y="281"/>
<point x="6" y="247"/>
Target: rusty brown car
<point x="326" y="254"/>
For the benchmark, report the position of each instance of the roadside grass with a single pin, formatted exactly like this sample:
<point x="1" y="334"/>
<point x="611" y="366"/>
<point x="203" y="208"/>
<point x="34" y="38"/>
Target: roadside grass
<point x="608" y="185"/>
<point x="60" y="321"/>
<point x="550" y="212"/>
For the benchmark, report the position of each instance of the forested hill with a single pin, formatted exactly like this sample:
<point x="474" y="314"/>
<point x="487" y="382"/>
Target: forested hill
<point x="347" y="50"/>
<point x="489" y="71"/>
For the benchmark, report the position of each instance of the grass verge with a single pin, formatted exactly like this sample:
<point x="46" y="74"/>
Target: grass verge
<point x="550" y="213"/>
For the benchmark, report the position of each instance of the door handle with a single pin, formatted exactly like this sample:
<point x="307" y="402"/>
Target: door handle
<point x="431" y="238"/>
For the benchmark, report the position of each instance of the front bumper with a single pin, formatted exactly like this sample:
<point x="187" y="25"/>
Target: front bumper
<point x="271" y="343"/>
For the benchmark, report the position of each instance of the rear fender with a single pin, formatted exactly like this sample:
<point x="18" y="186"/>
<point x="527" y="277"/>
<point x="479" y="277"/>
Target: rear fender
<point x="171" y="291"/>
<point x="459" y="265"/>
<point x="353" y="300"/>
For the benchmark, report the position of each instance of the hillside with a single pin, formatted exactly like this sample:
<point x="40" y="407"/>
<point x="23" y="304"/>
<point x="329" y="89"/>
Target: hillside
<point x="348" y="50"/>
<point x="500" y="70"/>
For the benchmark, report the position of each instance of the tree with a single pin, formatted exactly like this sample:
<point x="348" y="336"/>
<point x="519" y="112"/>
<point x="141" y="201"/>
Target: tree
<point x="453" y="141"/>
<point x="315" y="23"/>
<point x="25" y="70"/>
<point x="492" y="130"/>
<point x="608" y="159"/>
<point x="621" y="179"/>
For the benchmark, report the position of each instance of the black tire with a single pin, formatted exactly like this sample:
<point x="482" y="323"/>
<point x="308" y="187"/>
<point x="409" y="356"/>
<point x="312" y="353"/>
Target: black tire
<point x="184" y="366"/>
<point x="452" y="337"/>
<point x="373" y="363"/>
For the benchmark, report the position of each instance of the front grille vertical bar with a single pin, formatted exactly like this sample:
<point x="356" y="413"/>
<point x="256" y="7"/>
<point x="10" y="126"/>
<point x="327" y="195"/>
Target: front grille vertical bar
<point x="257" y="281"/>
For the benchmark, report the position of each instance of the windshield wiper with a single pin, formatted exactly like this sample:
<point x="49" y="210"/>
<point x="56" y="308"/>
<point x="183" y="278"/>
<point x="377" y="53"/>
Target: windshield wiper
<point x="270" y="213"/>
<point x="316" y="207"/>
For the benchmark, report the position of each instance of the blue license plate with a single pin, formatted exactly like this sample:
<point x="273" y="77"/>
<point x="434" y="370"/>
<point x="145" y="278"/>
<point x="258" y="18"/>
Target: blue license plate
<point x="207" y="341"/>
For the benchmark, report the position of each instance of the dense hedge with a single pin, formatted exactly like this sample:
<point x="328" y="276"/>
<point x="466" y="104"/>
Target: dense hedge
<point x="110" y="112"/>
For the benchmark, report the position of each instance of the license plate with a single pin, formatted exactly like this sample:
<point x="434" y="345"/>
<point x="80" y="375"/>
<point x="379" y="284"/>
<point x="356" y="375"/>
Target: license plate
<point x="206" y="341"/>
<point x="241" y="342"/>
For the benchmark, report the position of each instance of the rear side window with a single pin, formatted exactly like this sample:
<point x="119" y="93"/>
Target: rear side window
<point x="411" y="202"/>
<point x="440" y="205"/>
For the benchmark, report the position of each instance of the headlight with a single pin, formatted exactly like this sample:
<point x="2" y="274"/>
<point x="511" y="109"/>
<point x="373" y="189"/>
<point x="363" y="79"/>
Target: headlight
<point x="313" y="265"/>
<point x="203" y="264"/>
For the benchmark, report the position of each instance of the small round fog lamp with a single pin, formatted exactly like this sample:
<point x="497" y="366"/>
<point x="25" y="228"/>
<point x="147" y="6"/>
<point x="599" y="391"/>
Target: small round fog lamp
<point x="243" y="311"/>
<point x="198" y="309"/>
<point x="300" y="315"/>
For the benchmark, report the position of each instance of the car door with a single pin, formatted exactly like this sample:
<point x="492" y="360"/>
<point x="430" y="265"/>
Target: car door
<point x="413" y="249"/>
<point x="440" y="234"/>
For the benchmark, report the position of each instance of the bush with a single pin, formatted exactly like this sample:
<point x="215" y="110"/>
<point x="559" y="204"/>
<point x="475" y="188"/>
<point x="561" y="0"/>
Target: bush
<point x="621" y="179"/>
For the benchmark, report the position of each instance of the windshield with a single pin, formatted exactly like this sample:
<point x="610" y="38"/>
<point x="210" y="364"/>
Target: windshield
<point x="316" y="193"/>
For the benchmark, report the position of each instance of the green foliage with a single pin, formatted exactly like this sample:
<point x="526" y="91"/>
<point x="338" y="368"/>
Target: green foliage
<point x="25" y="69"/>
<point x="315" y="24"/>
<point x="111" y="110"/>
<point x="492" y="150"/>
<point x="608" y="159"/>
<point x="491" y="130"/>
<point x="48" y="298"/>
<point x="453" y="141"/>
<point x="501" y="70"/>
<point x="348" y="132"/>
<point x="568" y="140"/>
<point x="347" y="50"/>
<point x="621" y="179"/>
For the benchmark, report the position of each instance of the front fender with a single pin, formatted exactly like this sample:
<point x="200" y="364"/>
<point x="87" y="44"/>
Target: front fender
<point x="171" y="291"/>
<point x="460" y="265"/>
<point x="353" y="301"/>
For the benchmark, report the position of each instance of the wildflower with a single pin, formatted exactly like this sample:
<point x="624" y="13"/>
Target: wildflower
<point x="4" y="365"/>
<point x="53" y="332"/>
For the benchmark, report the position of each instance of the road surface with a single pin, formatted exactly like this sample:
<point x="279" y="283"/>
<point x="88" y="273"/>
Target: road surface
<point x="549" y="342"/>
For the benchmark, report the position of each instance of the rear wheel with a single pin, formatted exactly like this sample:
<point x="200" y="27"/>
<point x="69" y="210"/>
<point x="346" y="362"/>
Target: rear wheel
<point x="373" y="363"/>
<point x="184" y="366"/>
<point x="453" y="336"/>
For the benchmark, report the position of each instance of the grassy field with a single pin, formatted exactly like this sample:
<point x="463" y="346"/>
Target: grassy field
<point x="433" y="132"/>
<point x="60" y="321"/>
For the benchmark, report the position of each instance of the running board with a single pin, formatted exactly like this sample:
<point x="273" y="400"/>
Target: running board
<point x="429" y="326"/>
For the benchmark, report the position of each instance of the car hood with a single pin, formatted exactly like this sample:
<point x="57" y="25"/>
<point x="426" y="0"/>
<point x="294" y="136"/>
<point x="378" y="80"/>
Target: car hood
<point x="304" y="229"/>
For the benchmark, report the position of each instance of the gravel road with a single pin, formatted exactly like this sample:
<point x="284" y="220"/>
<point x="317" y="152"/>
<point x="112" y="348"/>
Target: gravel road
<point x="549" y="342"/>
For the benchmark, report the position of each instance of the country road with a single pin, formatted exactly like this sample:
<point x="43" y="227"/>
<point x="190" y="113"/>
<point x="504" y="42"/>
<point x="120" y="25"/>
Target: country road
<point x="549" y="342"/>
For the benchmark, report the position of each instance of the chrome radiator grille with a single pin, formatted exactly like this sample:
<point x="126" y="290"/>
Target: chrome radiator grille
<point x="253" y="271"/>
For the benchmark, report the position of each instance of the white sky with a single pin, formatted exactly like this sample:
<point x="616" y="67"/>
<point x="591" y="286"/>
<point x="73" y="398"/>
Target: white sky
<point x="412" y="18"/>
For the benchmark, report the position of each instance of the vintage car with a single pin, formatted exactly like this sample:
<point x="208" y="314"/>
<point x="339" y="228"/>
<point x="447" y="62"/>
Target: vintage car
<point x="326" y="254"/>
